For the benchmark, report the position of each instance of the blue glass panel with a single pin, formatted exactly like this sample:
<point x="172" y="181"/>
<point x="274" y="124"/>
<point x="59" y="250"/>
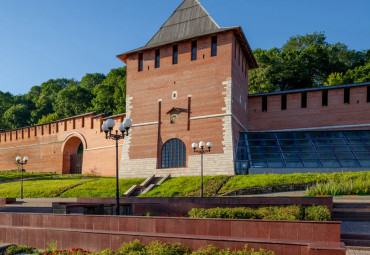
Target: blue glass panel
<point x="286" y="142"/>
<point x="352" y="134"/>
<point x="329" y="155"/>
<point x="337" y="141"/>
<point x="291" y="156"/>
<point x="308" y="156"/>
<point x="320" y="142"/>
<point x="276" y="164"/>
<point x="362" y="155"/>
<point x="258" y="156"/>
<point x="360" y="147"/>
<point x="318" y="135"/>
<point x="270" y="156"/>
<point x="294" y="164"/>
<point x="259" y="164"/>
<point x="330" y="163"/>
<point x="311" y="163"/>
<point x="304" y="149"/>
<point x="364" y="162"/>
<point x="323" y="148"/>
<point x="345" y="155"/>
<point x="341" y="148"/>
<point x="355" y="141"/>
<point x="365" y="133"/>
<point x="271" y="149"/>
<point x="349" y="163"/>
<point x="289" y="149"/>
<point x="302" y="142"/>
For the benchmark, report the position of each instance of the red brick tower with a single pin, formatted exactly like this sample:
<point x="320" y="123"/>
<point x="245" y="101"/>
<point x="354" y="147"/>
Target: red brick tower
<point x="188" y="83"/>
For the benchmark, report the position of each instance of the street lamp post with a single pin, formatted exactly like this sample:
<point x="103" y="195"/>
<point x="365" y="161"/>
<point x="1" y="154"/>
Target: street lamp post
<point x="123" y="128"/>
<point x="201" y="151"/>
<point x="20" y="162"/>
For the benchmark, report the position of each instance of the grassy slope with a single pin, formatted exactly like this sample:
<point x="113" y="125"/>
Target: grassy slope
<point x="103" y="187"/>
<point x="14" y="175"/>
<point x="39" y="188"/>
<point x="248" y="181"/>
<point x="186" y="187"/>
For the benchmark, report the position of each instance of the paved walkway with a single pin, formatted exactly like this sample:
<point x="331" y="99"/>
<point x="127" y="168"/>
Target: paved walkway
<point x="34" y="205"/>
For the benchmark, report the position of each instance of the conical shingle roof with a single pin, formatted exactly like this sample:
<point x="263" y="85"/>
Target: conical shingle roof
<point x="189" y="19"/>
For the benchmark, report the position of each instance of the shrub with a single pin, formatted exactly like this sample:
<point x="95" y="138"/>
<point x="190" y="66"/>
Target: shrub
<point x="317" y="213"/>
<point x="292" y="212"/>
<point x="360" y="185"/>
<point x="159" y="248"/>
<point x="213" y="250"/>
<point x="13" y="249"/>
<point x="133" y="248"/>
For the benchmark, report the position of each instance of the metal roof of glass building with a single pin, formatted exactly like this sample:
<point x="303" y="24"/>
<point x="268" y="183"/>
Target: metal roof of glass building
<point x="310" y="151"/>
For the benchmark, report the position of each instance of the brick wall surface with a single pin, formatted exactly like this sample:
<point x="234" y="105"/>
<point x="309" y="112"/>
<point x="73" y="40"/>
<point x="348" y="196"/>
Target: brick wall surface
<point x="49" y="146"/>
<point x="207" y="81"/>
<point x="337" y="114"/>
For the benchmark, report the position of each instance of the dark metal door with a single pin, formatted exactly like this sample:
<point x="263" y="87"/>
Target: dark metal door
<point x="76" y="163"/>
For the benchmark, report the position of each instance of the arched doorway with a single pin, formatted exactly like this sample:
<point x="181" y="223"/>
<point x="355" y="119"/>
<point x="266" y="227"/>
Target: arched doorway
<point x="73" y="156"/>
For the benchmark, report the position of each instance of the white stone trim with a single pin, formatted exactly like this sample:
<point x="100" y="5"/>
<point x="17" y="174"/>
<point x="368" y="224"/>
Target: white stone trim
<point x="104" y="147"/>
<point x="211" y="116"/>
<point x="146" y="124"/>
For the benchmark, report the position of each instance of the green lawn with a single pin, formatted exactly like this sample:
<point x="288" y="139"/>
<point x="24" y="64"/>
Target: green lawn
<point x="14" y="175"/>
<point x="186" y="187"/>
<point x="102" y="187"/>
<point x="40" y="188"/>
<point x="65" y="186"/>
<point x="249" y="181"/>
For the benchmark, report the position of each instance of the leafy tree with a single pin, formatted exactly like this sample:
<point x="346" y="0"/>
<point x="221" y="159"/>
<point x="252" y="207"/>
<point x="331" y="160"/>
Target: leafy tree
<point x="304" y="62"/>
<point x="72" y="101"/>
<point x="90" y="80"/>
<point x="49" y="118"/>
<point x="110" y="95"/>
<point x="48" y="94"/>
<point x="16" y="116"/>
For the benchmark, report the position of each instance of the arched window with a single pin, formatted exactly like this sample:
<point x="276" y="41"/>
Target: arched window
<point x="174" y="154"/>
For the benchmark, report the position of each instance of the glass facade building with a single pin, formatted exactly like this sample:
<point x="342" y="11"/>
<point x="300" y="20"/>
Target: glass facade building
<point x="260" y="152"/>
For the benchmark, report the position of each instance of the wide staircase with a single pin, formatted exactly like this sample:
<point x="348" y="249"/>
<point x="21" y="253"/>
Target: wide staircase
<point x="354" y="212"/>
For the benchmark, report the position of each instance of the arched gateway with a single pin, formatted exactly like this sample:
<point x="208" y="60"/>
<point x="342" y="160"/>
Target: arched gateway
<point x="73" y="156"/>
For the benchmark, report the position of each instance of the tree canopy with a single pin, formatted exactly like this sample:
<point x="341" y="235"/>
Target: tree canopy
<point x="308" y="61"/>
<point x="62" y="98"/>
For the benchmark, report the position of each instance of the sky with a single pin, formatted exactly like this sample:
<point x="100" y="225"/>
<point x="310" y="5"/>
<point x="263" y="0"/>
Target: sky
<point x="49" y="39"/>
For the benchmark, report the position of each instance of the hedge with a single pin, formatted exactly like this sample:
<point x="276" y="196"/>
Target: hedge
<point x="292" y="212"/>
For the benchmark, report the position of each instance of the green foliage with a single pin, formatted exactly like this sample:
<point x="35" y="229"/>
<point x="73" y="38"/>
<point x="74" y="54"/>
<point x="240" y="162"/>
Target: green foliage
<point x="16" y="116"/>
<point x="133" y="248"/>
<point x="317" y="213"/>
<point x="72" y="101"/>
<point x="213" y="250"/>
<point x="110" y="95"/>
<point x="343" y="186"/>
<point x="40" y="188"/>
<point x="187" y="187"/>
<point x="15" y="175"/>
<point x="61" y="98"/>
<point x="49" y="118"/>
<point x="159" y="248"/>
<point x="102" y="187"/>
<point x="293" y="212"/>
<point x="264" y="180"/>
<point x="304" y="62"/>
<point x="14" y="249"/>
